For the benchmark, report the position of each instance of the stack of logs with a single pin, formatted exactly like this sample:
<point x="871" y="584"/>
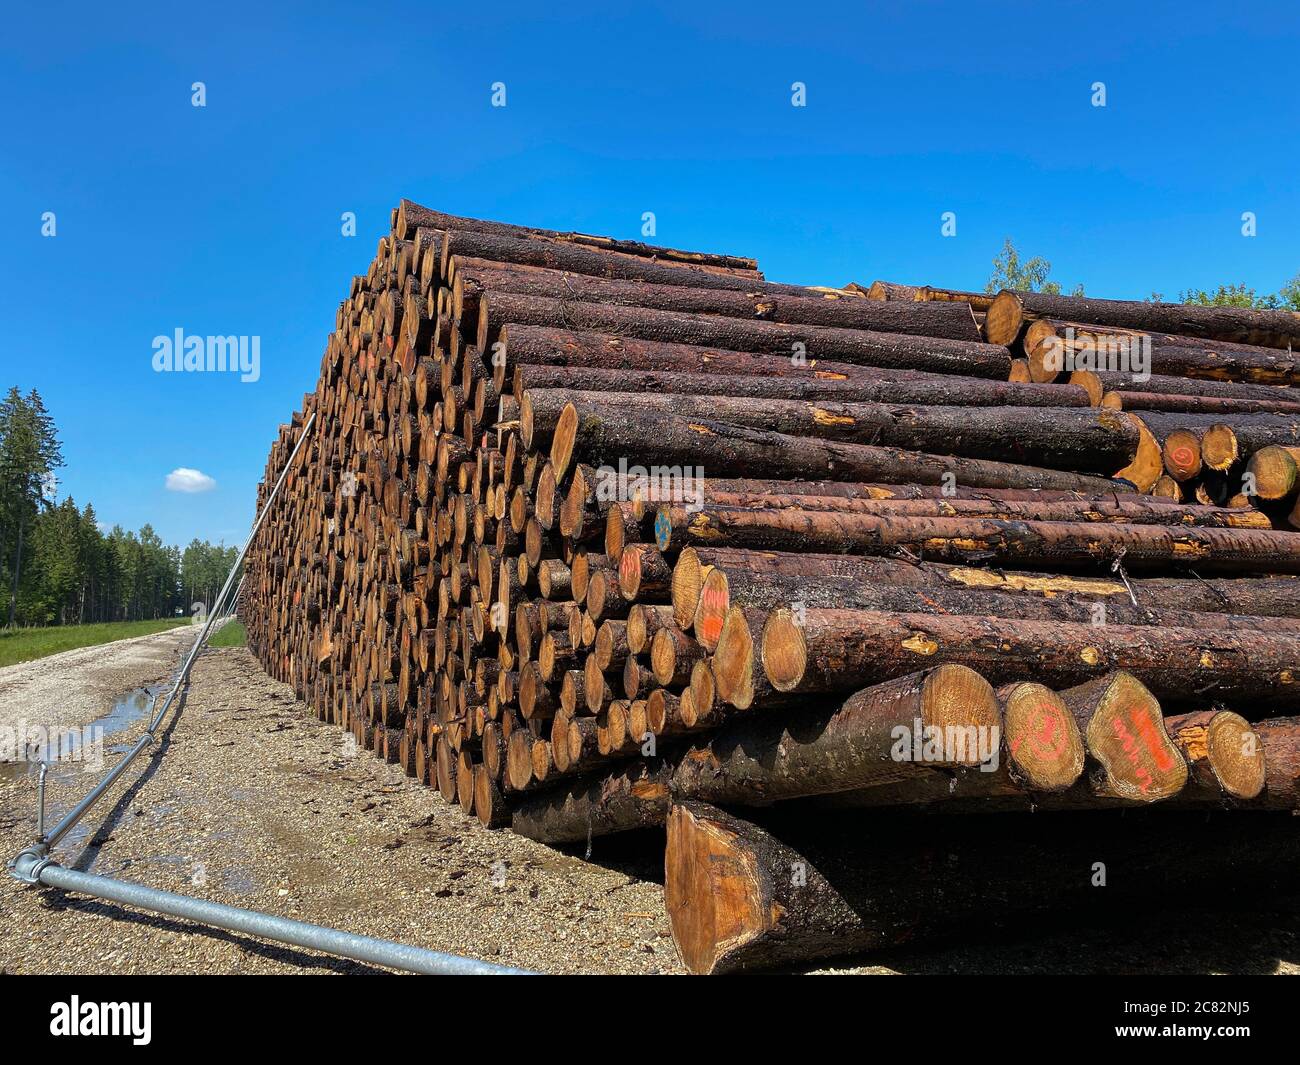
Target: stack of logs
<point x="594" y="536"/>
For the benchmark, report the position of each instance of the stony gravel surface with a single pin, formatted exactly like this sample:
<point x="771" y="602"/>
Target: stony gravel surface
<point x="257" y="804"/>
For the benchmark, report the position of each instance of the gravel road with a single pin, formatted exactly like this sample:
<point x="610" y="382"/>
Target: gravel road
<point x="75" y="687"/>
<point x="254" y="803"/>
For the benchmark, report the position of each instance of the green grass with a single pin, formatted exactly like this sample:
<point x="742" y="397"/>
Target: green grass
<point x="24" y="645"/>
<point x="231" y="634"/>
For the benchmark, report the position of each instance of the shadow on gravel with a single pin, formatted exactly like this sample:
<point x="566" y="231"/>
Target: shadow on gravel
<point x="59" y="901"/>
<point x="638" y="854"/>
<point x="151" y="759"/>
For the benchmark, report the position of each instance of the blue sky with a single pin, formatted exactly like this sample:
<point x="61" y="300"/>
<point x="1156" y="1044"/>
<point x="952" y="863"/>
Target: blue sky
<point x="226" y="219"/>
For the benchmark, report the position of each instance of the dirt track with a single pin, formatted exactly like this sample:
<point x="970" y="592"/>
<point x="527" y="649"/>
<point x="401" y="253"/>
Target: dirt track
<point x="75" y="687"/>
<point x="254" y="803"/>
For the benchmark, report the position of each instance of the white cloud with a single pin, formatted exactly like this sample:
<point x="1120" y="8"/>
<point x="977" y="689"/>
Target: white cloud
<point x="183" y="479"/>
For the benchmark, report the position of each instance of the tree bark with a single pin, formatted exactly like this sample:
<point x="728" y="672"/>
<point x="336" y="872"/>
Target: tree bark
<point x="601" y="434"/>
<point x="412" y="217"/>
<point x="853" y="386"/>
<point x="838" y="650"/>
<point x="1275" y="596"/>
<point x="1087" y="440"/>
<point x="880" y="735"/>
<point x="975" y="540"/>
<point x="800" y="343"/>
<point x="1274" y="329"/>
<point x="476" y="278"/>
<point x="631" y="797"/>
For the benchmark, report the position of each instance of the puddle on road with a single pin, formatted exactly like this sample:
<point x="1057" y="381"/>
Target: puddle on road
<point x="78" y="758"/>
<point x="81" y="754"/>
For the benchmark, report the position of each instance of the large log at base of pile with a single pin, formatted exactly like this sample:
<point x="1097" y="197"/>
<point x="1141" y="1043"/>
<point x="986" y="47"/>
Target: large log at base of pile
<point x="1008" y="313"/>
<point x="800" y="889"/>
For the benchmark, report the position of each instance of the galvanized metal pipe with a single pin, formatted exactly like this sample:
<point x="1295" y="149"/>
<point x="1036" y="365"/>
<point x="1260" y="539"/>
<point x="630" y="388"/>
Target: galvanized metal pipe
<point x="40" y="798"/>
<point x="36" y="868"/>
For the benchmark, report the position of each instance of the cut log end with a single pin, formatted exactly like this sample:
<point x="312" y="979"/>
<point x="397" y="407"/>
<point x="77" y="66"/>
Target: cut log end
<point x="688" y="576"/>
<point x="1236" y="755"/>
<point x="1126" y="735"/>
<point x="1004" y="319"/>
<point x="711" y="891"/>
<point x="733" y="661"/>
<point x="785" y="652"/>
<point x="629" y="568"/>
<point x="711" y="611"/>
<point x="1182" y="454"/>
<point x="566" y="431"/>
<point x="1042" y="738"/>
<point x="1219" y="447"/>
<point x="703" y="692"/>
<point x="526" y="422"/>
<point x="1148" y="463"/>
<point x="1091" y="384"/>
<point x="573" y="509"/>
<point x="1227" y="746"/>
<point x="616" y="538"/>
<point x="1274" y="471"/>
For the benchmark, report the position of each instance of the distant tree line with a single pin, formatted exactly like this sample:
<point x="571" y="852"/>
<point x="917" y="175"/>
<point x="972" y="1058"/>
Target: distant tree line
<point x="1011" y="270"/>
<point x="58" y="566"/>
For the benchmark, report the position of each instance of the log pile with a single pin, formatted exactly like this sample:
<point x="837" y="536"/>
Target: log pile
<point x="594" y="536"/>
